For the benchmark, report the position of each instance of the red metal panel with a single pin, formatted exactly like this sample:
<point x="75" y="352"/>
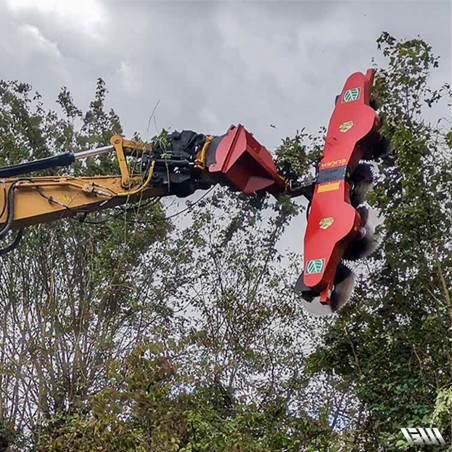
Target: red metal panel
<point x="245" y="164"/>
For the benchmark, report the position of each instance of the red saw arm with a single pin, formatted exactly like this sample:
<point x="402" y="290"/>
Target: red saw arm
<point x="336" y="222"/>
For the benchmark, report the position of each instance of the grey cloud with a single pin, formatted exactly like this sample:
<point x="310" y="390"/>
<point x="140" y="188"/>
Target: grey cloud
<point x="211" y="63"/>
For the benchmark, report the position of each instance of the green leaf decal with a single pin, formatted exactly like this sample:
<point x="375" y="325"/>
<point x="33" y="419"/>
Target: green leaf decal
<point x="351" y="95"/>
<point x="314" y="266"/>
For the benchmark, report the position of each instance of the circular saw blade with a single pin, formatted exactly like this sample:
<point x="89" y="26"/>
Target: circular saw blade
<point x="343" y="287"/>
<point x="362" y="178"/>
<point x="364" y="246"/>
<point x="316" y="308"/>
<point x="311" y="300"/>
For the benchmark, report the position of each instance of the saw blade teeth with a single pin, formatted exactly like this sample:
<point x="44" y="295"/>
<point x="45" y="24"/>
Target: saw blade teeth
<point x="381" y="148"/>
<point x="342" y="292"/>
<point x="362" y="178"/>
<point x="364" y="214"/>
<point x="362" y="171"/>
<point x="342" y="271"/>
<point x="343" y="288"/>
<point x="363" y="247"/>
<point x="348" y="264"/>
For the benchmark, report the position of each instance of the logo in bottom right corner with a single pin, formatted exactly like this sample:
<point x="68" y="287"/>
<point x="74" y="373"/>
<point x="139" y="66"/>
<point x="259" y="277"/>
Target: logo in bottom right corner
<point x="423" y="436"/>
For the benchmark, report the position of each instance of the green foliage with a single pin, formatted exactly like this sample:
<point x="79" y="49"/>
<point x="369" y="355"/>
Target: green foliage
<point x="297" y="156"/>
<point x="443" y="407"/>
<point x="140" y="340"/>
<point x="7" y="435"/>
<point x="149" y="404"/>
<point x="161" y="140"/>
<point x="69" y="289"/>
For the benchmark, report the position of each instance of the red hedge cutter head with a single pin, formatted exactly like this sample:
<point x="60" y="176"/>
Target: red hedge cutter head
<point x="337" y="225"/>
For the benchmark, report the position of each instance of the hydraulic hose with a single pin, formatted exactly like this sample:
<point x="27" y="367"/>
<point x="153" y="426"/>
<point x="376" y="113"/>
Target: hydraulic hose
<point x="55" y="161"/>
<point x="10" y="209"/>
<point x="12" y="246"/>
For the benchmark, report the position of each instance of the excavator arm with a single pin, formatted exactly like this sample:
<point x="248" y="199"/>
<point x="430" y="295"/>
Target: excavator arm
<point x="181" y="163"/>
<point x="176" y="165"/>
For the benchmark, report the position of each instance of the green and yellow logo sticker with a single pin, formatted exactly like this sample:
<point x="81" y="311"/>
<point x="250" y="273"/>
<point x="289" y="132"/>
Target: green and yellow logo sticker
<point x="325" y="223"/>
<point x="351" y="94"/>
<point x="314" y="266"/>
<point x="345" y="126"/>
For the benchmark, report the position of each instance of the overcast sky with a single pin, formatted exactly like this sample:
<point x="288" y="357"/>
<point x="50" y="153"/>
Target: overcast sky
<point x="210" y="64"/>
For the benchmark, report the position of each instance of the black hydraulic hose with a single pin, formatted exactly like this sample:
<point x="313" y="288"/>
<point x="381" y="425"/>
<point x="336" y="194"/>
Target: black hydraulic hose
<point x="55" y="161"/>
<point x="12" y="246"/>
<point x="10" y="206"/>
<point x="4" y="202"/>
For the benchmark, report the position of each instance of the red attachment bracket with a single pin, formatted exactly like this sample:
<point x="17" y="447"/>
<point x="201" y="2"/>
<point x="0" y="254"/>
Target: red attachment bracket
<point x="246" y="165"/>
